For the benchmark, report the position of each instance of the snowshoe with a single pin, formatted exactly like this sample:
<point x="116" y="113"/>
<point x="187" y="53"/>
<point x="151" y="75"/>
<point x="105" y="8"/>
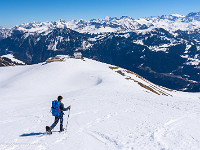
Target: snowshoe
<point x="62" y="130"/>
<point x="48" y="130"/>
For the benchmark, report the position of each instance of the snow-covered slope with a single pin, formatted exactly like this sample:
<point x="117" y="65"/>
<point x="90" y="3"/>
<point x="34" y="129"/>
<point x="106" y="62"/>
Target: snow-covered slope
<point x="112" y="108"/>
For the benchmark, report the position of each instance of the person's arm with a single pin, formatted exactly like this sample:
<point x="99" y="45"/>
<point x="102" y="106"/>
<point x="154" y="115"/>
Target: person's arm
<point x="63" y="108"/>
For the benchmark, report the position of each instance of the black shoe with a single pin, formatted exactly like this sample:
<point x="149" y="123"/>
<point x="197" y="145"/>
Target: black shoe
<point x="61" y="130"/>
<point x="48" y="130"/>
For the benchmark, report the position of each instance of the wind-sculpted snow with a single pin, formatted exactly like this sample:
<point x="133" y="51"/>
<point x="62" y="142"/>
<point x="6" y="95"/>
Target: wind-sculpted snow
<point x="187" y="133"/>
<point x="42" y="76"/>
<point x="109" y="111"/>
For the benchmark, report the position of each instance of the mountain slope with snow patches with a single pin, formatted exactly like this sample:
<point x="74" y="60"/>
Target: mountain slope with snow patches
<point x="112" y="108"/>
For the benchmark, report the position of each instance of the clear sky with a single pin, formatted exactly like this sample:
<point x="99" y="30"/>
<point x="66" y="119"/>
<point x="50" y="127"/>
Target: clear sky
<point x="15" y="12"/>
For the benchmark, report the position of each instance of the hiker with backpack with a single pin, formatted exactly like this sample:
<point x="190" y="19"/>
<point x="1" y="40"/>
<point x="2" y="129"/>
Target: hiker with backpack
<point x="57" y="111"/>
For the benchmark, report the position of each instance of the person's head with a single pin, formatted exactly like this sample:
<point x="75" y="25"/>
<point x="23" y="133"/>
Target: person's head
<point x="60" y="98"/>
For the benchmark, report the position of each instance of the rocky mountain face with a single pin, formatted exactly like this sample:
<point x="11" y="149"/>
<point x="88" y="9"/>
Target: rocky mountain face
<point x="10" y="61"/>
<point x="5" y="62"/>
<point x="165" y="49"/>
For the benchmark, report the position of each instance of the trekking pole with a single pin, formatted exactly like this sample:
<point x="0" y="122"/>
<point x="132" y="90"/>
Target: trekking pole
<point x="67" y="121"/>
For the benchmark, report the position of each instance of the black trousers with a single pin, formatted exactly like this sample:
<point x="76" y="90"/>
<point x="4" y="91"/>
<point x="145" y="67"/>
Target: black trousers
<point x="57" y="118"/>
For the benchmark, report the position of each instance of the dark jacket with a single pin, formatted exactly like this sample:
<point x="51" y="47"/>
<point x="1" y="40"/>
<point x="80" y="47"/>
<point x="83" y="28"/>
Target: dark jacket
<point x="62" y="107"/>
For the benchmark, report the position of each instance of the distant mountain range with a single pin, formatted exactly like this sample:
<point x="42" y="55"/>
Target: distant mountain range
<point x="164" y="49"/>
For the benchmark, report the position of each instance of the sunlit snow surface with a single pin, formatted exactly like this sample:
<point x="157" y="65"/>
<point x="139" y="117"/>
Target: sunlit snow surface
<point x="109" y="110"/>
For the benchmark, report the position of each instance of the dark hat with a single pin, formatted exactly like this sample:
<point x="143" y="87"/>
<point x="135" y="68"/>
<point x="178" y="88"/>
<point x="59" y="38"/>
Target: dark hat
<point x="59" y="98"/>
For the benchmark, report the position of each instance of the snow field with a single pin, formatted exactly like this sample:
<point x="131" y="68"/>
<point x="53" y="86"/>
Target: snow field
<point x="108" y="111"/>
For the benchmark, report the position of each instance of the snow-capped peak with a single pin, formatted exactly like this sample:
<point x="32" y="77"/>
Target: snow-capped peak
<point x="107" y="18"/>
<point x="193" y="16"/>
<point x="126" y="17"/>
<point x="178" y="16"/>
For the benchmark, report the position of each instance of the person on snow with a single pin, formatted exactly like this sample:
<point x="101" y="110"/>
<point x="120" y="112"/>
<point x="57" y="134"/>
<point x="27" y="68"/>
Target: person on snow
<point x="58" y="117"/>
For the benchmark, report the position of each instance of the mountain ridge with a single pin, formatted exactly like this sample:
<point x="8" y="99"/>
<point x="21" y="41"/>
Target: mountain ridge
<point x="77" y="24"/>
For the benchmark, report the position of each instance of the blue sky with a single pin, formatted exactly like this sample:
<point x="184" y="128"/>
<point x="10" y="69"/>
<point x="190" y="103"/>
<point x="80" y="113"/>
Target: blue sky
<point x="15" y="12"/>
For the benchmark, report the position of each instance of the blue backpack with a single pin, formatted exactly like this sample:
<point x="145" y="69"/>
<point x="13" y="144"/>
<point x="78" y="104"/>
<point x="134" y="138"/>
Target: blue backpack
<point x="55" y="109"/>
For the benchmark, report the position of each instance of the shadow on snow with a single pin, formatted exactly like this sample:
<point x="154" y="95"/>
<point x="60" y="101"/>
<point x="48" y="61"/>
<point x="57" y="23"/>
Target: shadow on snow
<point x="34" y="134"/>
